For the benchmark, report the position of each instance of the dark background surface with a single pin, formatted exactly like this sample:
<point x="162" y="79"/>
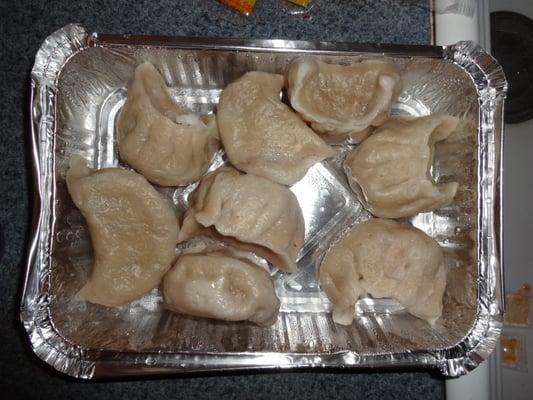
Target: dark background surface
<point x="23" y="26"/>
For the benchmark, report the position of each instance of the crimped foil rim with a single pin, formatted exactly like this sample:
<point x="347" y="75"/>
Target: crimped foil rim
<point x="75" y="361"/>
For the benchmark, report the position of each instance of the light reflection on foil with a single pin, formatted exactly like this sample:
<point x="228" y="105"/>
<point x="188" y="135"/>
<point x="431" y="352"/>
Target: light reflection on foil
<point x="81" y="97"/>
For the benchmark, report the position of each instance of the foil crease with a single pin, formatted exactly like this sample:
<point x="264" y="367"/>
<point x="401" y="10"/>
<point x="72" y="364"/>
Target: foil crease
<point x="78" y="86"/>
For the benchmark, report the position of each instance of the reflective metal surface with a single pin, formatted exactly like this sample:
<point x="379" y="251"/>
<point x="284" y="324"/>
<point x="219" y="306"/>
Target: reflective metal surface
<point x="78" y="87"/>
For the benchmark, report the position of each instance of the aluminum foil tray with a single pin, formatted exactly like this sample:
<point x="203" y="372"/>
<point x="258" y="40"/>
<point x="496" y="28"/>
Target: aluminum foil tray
<point x="79" y="83"/>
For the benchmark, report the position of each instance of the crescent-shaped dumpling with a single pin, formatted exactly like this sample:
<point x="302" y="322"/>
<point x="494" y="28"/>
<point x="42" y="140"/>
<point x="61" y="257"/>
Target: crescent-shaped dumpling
<point x="262" y="135"/>
<point x="221" y="285"/>
<point x="163" y="141"/>
<point x="343" y="100"/>
<point x="390" y="171"/>
<point x="385" y="259"/>
<point x="133" y="231"/>
<point x="248" y="212"/>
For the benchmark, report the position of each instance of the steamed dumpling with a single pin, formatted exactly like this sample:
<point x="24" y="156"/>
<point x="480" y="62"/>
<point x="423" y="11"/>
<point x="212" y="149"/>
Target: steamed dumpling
<point x="133" y="231"/>
<point x="343" y="100"/>
<point x="385" y="259"/>
<point x="390" y="171"/>
<point x="221" y="285"/>
<point x="262" y="135"/>
<point x="163" y="141"/>
<point x="249" y="212"/>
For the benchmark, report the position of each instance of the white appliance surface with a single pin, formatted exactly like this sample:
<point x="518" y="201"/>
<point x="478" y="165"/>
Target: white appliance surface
<point x="490" y="380"/>
<point x="517" y="384"/>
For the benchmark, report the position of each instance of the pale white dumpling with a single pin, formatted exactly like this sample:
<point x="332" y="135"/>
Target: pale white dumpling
<point x="384" y="258"/>
<point x="221" y="285"/>
<point x="249" y="212"/>
<point x="133" y="231"/>
<point x="343" y="100"/>
<point x="262" y="135"/>
<point x="163" y="141"/>
<point x="390" y="171"/>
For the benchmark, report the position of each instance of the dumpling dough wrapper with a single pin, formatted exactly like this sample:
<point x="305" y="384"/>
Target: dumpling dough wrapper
<point x="133" y="230"/>
<point x="262" y="135"/>
<point x="343" y="101"/>
<point x="221" y="285"/>
<point x="384" y="258"/>
<point x="248" y="212"/>
<point x="390" y="171"/>
<point x="165" y="142"/>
